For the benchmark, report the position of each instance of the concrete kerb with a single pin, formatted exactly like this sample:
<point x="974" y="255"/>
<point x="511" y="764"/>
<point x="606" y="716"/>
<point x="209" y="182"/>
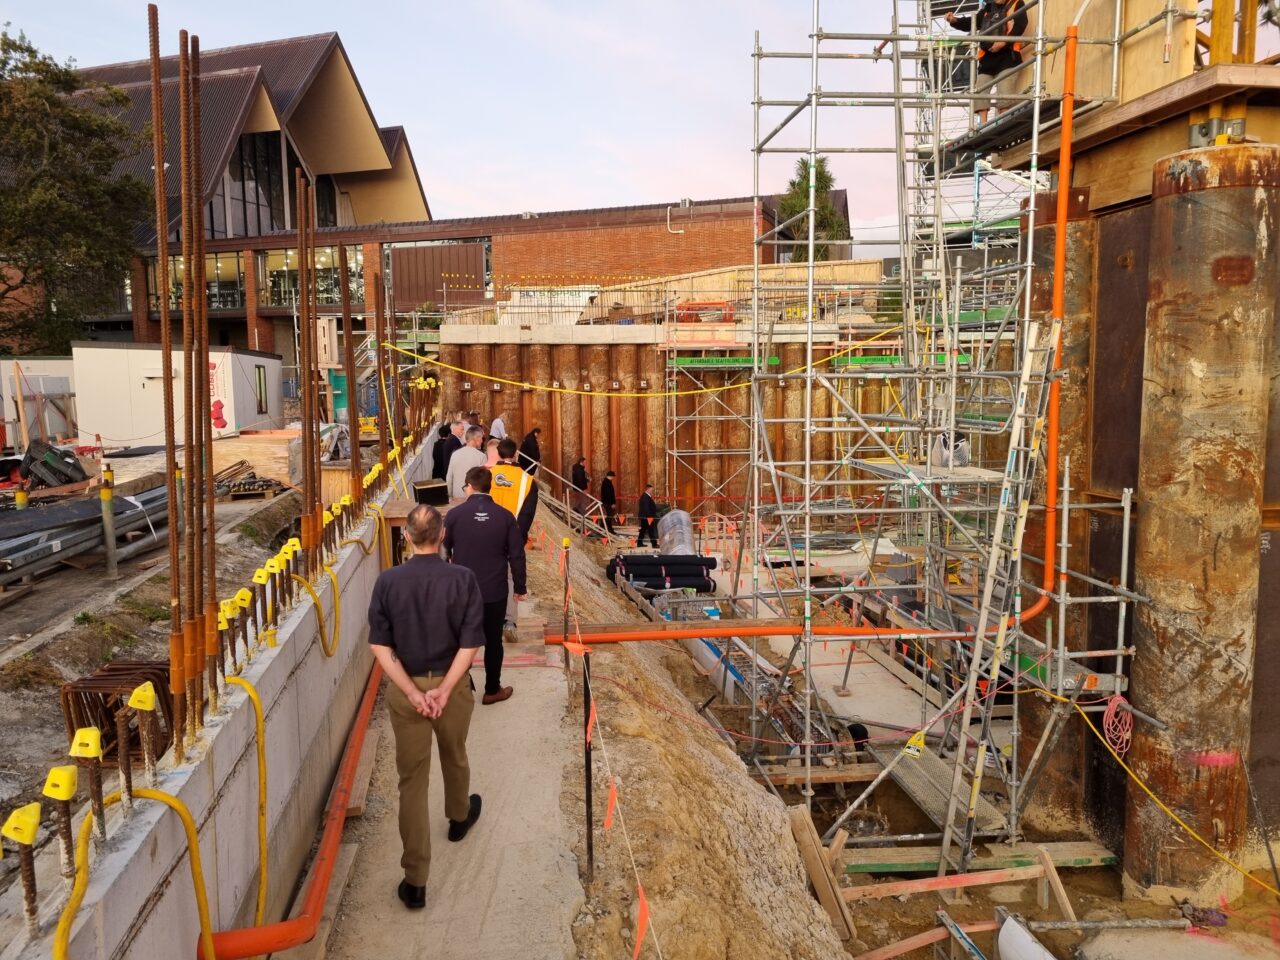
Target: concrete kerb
<point x="140" y="898"/>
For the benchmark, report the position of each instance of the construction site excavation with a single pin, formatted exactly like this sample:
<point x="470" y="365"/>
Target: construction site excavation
<point x="875" y="562"/>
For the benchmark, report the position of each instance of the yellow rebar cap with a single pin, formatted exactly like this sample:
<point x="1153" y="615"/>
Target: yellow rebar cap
<point x="22" y="825"/>
<point x="565" y="543"/>
<point x="222" y="620"/>
<point x="87" y="743"/>
<point x="271" y="566"/>
<point x="294" y="544"/>
<point x="286" y="553"/>
<point x="336" y="508"/>
<point x="260" y="576"/>
<point x="346" y="500"/>
<point x="328" y="518"/>
<point x="61" y="782"/>
<point x="244" y="598"/>
<point x="229" y="608"/>
<point x="144" y="696"/>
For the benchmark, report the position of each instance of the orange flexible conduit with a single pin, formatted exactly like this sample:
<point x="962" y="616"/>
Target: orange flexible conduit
<point x="259" y="941"/>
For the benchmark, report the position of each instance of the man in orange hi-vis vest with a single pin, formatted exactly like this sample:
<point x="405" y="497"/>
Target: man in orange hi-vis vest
<point x="1005" y="20"/>
<point x="515" y="490"/>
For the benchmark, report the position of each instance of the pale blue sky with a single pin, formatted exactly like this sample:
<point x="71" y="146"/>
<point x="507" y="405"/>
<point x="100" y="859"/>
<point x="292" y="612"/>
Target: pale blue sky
<point x="518" y="105"/>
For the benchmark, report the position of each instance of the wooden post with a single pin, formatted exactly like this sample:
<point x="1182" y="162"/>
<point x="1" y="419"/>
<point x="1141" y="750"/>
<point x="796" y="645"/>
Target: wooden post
<point x="20" y="401"/>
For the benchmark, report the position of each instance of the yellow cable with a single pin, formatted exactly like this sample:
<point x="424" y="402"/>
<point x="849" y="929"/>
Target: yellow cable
<point x="1156" y="800"/>
<point x="329" y="650"/>
<point x="620" y="393"/>
<point x="382" y="534"/>
<point x="337" y="604"/>
<point x="62" y="936"/>
<point x="260" y="911"/>
<point x="391" y="426"/>
<point x="360" y="543"/>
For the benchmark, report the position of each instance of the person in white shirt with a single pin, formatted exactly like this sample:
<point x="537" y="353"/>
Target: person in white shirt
<point x="498" y="429"/>
<point x="471" y="455"/>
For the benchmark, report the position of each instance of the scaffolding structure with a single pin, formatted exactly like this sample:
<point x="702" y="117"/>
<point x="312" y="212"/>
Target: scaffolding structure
<point x="911" y="440"/>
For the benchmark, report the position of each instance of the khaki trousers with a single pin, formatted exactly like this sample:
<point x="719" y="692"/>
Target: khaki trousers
<point x="413" y="733"/>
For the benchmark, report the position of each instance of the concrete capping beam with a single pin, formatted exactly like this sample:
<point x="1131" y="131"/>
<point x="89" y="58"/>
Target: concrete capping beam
<point x="140" y="901"/>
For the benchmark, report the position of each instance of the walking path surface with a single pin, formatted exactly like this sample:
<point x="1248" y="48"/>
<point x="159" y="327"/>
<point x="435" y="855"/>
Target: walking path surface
<point x="513" y="881"/>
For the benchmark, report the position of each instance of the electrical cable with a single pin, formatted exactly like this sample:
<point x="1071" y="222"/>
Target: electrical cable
<point x="260" y="910"/>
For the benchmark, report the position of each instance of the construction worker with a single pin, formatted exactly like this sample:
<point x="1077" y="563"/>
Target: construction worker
<point x="425" y="622"/>
<point x="997" y="59"/>
<point x="484" y="537"/>
<point x="517" y="492"/>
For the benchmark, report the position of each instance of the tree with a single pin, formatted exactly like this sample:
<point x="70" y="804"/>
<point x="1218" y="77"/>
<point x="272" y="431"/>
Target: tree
<point x="67" y="221"/>
<point x="828" y="224"/>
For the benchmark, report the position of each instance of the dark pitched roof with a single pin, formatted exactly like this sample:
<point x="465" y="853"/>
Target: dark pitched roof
<point x="392" y="137"/>
<point x="288" y="66"/>
<point x="226" y="97"/>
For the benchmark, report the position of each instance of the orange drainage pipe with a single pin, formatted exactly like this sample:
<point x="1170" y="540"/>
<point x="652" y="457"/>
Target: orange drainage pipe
<point x="259" y="941"/>
<point x="1057" y="312"/>
<point x="783" y="629"/>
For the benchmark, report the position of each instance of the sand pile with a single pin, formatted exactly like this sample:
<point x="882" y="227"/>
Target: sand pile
<point x="713" y="849"/>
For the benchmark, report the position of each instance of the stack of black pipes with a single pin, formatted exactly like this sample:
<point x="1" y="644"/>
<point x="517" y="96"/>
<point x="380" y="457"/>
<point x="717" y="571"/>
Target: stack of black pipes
<point x="664" y="571"/>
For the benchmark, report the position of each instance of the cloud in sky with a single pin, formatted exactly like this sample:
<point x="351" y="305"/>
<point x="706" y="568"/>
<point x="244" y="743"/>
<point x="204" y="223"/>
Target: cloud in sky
<point x="517" y="105"/>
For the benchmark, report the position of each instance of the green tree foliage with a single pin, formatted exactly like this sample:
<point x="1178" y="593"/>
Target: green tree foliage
<point x="66" y="222"/>
<point x="828" y="224"/>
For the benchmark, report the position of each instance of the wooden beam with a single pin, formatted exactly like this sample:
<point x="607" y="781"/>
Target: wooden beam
<point x="1069" y="853"/>
<point x="1180" y="97"/>
<point x="953" y="881"/>
<point x="820" y="875"/>
<point x="1055" y="883"/>
<point x="781" y="776"/>
<point x="364" y="774"/>
<point x="837" y="847"/>
<point x="20" y="400"/>
<point x="920" y="940"/>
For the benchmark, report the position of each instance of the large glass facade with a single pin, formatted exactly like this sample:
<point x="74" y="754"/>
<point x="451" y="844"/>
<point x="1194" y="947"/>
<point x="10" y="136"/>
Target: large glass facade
<point x="224" y="282"/>
<point x="257" y="189"/>
<point x="278" y="276"/>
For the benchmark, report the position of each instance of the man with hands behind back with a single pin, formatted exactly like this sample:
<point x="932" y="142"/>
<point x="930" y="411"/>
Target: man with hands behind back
<point x="425" y="623"/>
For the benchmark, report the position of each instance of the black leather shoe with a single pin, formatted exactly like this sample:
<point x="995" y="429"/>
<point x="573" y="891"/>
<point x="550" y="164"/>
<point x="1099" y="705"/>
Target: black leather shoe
<point x="458" y="828"/>
<point x="415" y="898"/>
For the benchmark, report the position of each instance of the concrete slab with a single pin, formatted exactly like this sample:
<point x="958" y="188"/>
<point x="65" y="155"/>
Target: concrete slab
<point x="1172" y="945"/>
<point x="513" y="881"/>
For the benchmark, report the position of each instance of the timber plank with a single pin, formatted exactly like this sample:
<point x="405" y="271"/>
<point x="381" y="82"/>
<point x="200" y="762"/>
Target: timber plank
<point x="952" y="881"/>
<point x="364" y="773"/>
<point x="781" y="776"/>
<point x="1065" y="854"/>
<point x="815" y="861"/>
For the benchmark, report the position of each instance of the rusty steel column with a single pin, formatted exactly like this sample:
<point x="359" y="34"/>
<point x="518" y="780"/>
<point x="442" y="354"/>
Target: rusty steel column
<point x="626" y="442"/>
<point x="1058" y="796"/>
<point x="738" y="440"/>
<point x="564" y="371"/>
<point x="450" y="380"/>
<point x="1210" y="315"/>
<point x="475" y="357"/>
<point x="538" y="373"/>
<point x="599" y="373"/>
<point x="707" y="431"/>
<point x="793" y="410"/>
<point x="506" y="364"/>
<point x="652" y="420"/>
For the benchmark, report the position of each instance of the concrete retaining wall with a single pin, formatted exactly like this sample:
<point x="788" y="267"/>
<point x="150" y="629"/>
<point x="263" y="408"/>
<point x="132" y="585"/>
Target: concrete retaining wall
<point x="140" y="902"/>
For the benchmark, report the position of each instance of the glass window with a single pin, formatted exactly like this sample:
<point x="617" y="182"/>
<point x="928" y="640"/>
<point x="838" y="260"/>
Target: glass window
<point x="278" y="278"/>
<point x="260" y="387"/>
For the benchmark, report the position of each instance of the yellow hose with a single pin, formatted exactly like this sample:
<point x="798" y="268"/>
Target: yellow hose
<point x="260" y="911"/>
<point x="386" y="406"/>
<point x="62" y="936"/>
<point x="382" y="535"/>
<point x="328" y="648"/>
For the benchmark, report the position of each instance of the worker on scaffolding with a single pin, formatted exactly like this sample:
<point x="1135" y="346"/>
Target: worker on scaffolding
<point x="997" y="59"/>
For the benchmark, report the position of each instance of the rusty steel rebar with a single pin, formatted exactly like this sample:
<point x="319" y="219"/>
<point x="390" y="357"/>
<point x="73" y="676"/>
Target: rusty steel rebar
<point x="209" y="654"/>
<point x="348" y="368"/>
<point x="146" y="734"/>
<point x="317" y="405"/>
<point x="124" y="762"/>
<point x="94" y="766"/>
<point x="66" y="842"/>
<point x="303" y="301"/>
<point x="200" y="390"/>
<point x="380" y="352"/>
<point x="30" y="902"/>
<point x="188" y="373"/>
<point x="176" y="679"/>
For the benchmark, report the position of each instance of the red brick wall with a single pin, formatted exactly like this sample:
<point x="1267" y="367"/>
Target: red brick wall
<point x="608" y="255"/>
<point x="260" y="333"/>
<point x="145" y="330"/>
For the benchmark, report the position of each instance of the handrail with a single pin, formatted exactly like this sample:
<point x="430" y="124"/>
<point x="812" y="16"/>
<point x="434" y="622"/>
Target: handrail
<point x="584" y="518"/>
<point x="258" y="941"/>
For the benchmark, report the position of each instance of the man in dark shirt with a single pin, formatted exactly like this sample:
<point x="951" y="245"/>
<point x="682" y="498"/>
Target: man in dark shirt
<point x="437" y="453"/>
<point x="648" y="512"/>
<point x="582" y="482"/>
<point x="1005" y="20"/>
<point x="425" y="621"/>
<point x="609" y="500"/>
<point x="484" y="537"/>
<point x="452" y="444"/>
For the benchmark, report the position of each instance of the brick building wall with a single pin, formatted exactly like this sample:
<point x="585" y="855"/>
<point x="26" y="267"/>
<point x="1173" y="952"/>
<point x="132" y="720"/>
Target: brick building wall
<point x="617" y="254"/>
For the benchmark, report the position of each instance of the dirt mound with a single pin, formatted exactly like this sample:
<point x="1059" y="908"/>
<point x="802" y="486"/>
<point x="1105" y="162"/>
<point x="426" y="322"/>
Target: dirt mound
<point x="712" y="848"/>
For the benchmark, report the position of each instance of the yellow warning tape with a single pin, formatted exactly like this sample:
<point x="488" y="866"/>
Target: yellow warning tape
<point x="619" y="393"/>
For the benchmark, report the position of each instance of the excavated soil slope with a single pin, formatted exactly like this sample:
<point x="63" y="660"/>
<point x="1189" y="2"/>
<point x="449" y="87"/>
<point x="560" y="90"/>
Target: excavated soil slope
<point x="712" y="848"/>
